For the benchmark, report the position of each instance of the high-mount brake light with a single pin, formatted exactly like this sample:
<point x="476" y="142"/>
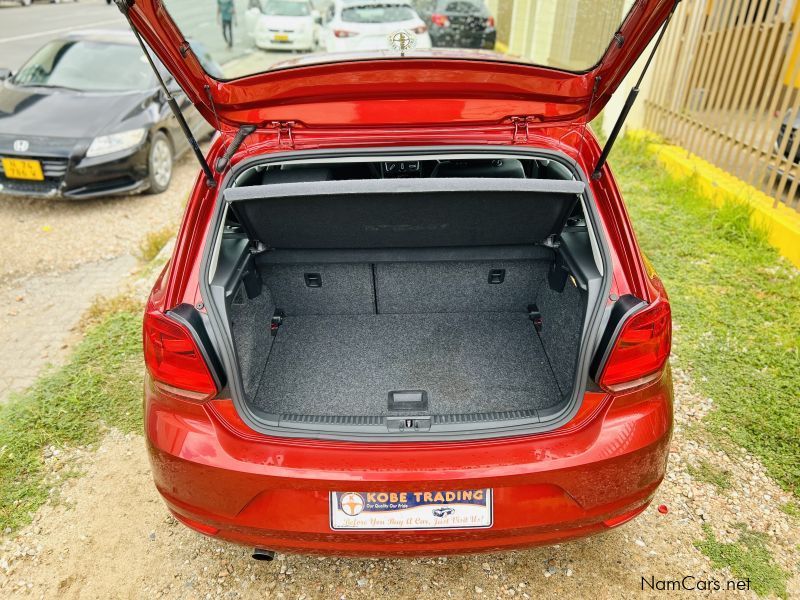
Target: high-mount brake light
<point x="640" y="350"/>
<point x="174" y="359"/>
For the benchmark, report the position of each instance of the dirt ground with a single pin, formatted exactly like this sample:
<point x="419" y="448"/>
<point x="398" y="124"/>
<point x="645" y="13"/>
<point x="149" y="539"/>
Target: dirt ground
<point x="106" y="534"/>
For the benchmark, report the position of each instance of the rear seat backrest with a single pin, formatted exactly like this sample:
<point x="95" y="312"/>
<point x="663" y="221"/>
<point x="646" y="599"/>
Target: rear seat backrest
<point x="458" y="287"/>
<point x="342" y="290"/>
<point x="508" y="167"/>
<point x="405" y="288"/>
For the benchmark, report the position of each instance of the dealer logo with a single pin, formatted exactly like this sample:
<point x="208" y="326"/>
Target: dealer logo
<point x="352" y="504"/>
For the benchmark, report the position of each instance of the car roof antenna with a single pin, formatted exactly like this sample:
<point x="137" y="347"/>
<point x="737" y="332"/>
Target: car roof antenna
<point x="123" y="6"/>
<point x="623" y="115"/>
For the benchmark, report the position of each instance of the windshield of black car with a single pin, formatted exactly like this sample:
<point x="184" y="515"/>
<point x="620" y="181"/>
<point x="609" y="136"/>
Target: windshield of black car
<point x="87" y="66"/>
<point x="378" y="13"/>
<point x="286" y="8"/>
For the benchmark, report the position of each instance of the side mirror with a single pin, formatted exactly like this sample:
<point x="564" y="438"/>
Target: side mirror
<point x="317" y="16"/>
<point x="5" y="73"/>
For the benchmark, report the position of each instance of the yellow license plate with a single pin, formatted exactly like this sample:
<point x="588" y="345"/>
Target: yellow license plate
<point x="281" y="37"/>
<point x="18" y="168"/>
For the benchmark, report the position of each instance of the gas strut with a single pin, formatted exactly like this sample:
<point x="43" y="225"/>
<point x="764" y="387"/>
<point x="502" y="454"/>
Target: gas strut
<point x="124" y="6"/>
<point x="630" y="100"/>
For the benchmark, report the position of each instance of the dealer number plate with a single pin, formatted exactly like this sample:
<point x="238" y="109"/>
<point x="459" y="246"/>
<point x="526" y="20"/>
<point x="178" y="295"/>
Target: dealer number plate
<point x="459" y="509"/>
<point x="18" y="168"/>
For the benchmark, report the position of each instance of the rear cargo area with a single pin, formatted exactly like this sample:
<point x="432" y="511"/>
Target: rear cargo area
<point x="438" y="327"/>
<point x="349" y="304"/>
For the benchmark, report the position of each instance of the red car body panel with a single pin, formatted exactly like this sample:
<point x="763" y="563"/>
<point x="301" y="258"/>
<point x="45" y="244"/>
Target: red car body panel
<point x="273" y="492"/>
<point x="477" y="88"/>
<point x="224" y="479"/>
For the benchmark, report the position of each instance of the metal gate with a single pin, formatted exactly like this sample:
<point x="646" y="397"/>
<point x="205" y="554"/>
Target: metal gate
<point x="726" y="86"/>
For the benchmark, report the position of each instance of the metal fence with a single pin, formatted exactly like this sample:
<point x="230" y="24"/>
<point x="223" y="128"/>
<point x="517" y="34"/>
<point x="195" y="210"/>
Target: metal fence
<point x="726" y="86"/>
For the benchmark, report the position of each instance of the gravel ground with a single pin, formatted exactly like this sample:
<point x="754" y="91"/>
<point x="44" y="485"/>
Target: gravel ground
<point x="107" y="534"/>
<point x="57" y="256"/>
<point x="50" y="235"/>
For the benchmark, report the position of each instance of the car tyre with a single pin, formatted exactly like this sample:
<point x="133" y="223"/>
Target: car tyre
<point x="160" y="162"/>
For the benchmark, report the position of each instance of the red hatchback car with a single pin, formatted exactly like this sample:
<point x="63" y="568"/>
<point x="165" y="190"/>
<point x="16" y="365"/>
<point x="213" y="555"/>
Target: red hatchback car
<point x="406" y="313"/>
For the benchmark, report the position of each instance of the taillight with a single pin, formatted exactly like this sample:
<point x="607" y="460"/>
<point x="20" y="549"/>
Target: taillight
<point x="440" y="20"/>
<point x="174" y="360"/>
<point x="490" y="22"/>
<point x="641" y="349"/>
<point x="343" y="33"/>
<point x="420" y="29"/>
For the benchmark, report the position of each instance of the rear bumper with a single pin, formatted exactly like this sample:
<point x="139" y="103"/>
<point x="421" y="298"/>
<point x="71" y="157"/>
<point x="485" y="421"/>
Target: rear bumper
<point x="273" y="492"/>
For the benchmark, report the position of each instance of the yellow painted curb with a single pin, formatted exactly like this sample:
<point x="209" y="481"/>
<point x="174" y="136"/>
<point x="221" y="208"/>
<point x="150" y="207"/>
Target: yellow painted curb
<point x="781" y="223"/>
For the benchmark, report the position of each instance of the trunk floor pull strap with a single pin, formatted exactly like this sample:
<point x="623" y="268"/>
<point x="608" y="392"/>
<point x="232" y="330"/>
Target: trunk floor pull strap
<point x="535" y="315"/>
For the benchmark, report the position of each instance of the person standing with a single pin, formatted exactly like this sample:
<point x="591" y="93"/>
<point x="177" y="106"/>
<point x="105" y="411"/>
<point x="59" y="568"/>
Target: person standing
<point x="226" y="12"/>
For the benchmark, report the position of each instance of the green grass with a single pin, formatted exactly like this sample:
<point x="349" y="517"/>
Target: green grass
<point x="791" y="509"/>
<point x="153" y="242"/>
<point x="707" y="472"/>
<point x="101" y="385"/>
<point x="748" y="558"/>
<point x="736" y="307"/>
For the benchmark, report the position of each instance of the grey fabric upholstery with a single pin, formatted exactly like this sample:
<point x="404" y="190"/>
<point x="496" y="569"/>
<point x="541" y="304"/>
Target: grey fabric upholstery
<point x="347" y="365"/>
<point x="374" y="328"/>
<point x="563" y="315"/>
<point x="447" y="287"/>
<point x="410" y="213"/>
<point x="345" y="290"/>
<point x="250" y="321"/>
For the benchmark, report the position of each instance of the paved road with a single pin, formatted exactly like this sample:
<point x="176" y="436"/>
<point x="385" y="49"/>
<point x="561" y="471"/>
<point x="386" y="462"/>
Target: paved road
<point x="24" y="29"/>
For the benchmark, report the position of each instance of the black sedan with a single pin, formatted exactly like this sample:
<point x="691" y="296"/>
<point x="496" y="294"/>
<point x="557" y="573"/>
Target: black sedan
<point x="84" y="117"/>
<point x="458" y="23"/>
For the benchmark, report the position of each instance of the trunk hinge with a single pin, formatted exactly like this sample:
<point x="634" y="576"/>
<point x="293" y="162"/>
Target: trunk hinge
<point x="623" y="115"/>
<point x="285" y="135"/>
<point x="522" y="124"/>
<point x="124" y="7"/>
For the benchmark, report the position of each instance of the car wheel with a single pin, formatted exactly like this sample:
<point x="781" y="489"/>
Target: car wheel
<point x="159" y="163"/>
<point x="26" y="2"/>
